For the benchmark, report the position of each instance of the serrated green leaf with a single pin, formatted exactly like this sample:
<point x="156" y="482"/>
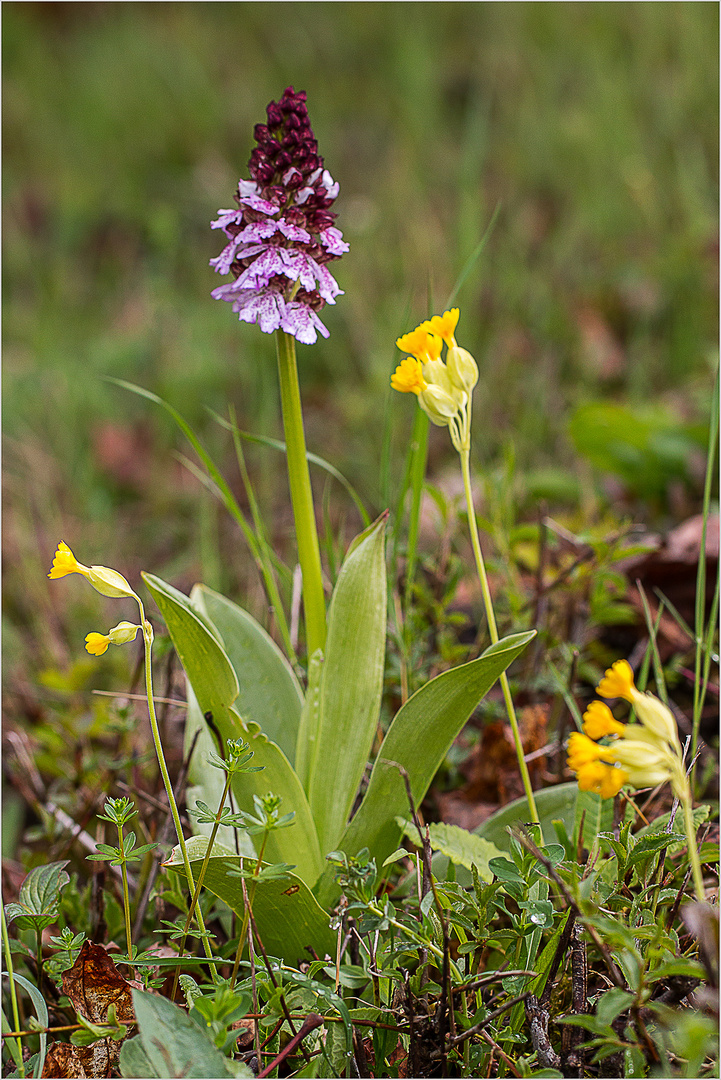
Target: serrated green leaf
<point x="38" y="897"/>
<point x="419" y="737"/>
<point x="286" y="913"/>
<point x="462" y="847"/>
<point x="269" y="692"/>
<point x="351" y="683"/>
<point x="594" y="813"/>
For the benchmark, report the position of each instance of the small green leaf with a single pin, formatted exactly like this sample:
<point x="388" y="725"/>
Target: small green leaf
<point x="399" y="853"/>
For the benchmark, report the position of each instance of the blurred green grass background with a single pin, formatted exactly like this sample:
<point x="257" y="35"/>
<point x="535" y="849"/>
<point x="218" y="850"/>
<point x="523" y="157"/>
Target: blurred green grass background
<point x="592" y="129"/>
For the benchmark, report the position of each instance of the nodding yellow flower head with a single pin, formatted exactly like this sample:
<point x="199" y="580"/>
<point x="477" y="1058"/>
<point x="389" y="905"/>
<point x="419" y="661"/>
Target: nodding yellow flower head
<point x="408" y="376"/>
<point x="102" y="578"/>
<point x="444" y="325"/>
<point x="598" y="720"/>
<point x="124" y="632"/>
<point x="581" y="750"/>
<point x="64" y="562"/>
<point x="443" y="387"/>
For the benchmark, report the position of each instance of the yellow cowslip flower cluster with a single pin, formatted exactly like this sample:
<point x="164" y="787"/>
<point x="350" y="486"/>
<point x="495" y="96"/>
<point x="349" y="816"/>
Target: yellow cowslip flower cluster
<point x="443" y="388"/>
<point x="642" y="754"/>
<point x="109" y="583"/>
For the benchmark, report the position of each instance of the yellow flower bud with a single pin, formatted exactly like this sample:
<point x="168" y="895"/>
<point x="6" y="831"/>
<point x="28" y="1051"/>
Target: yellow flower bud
<point x="462" y="368"/>
<point x="438" y="405"/>
<point x="421" y="344"/>
<point x="598" y="720"/>
<point x="657" y="717"/>
<point x="443" y="325"/>
<point x="581" y="750"/>
<point x="97" y="644"/>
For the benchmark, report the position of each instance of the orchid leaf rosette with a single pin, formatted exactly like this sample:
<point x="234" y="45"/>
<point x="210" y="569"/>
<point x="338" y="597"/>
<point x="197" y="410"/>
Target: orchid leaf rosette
<point x="281" y="237"/>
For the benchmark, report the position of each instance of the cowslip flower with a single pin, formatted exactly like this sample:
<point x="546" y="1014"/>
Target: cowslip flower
<point x="109" y="583"/>
<point x="443" y="387"/>
<point x="653" y="714"/>
<point x="282" y="236"/>
<point x="640" y="754"/>
<point x="122" y="634"/>
<point x="102" y="578"/>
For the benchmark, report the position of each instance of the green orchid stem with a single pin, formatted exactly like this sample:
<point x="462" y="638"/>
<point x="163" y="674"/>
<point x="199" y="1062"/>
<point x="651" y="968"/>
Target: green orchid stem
<point x="301" y="494"/>
<point x="690" y="829"/>
<point x="465" y="456"/>
<point x="13" y="992"/>
<point x="126" y="901"/>
<point x="148" y="639"/>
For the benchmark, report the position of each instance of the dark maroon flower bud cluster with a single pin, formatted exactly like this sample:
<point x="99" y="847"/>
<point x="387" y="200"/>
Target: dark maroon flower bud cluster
<point x="282" y="236"/>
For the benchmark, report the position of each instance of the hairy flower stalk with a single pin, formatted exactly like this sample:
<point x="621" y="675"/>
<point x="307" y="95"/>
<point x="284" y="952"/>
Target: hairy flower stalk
<point x="281" y="238"/>
<point x="444" y="391"/>
<point x="639" y="754"/>
<point x="111" y="583"/>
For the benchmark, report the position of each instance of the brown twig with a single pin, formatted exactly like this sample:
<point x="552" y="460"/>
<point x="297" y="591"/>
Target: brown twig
<point x="311" y="1022"/>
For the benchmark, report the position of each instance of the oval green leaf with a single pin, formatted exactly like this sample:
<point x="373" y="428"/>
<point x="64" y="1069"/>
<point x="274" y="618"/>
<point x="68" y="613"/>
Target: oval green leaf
<point x="269" y="692"/>
<point x="419" y="737"/>
<point x="288" y="916"/>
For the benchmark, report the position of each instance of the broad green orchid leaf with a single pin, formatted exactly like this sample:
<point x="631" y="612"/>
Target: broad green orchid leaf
<point x="288" y="917"/>
<point x="351" y="683"/>
<point x="215" y="686"/>
<point x="418" y="739"/>
<point x="269" y="691"/>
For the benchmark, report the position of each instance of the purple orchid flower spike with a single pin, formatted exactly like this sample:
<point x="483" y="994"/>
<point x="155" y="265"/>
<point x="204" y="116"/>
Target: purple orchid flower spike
<point x="282" y="234"/>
